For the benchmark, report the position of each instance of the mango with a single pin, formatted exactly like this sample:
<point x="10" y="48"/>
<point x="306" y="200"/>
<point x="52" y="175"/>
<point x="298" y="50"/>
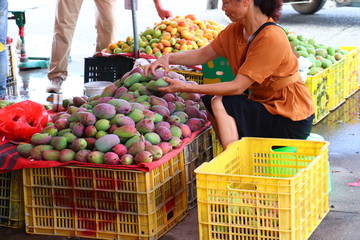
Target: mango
<point x="81" y="156"/>
<point x="40" y="139"/>
<point x="109" y="90"/>
<point x="140" y="106"/>
<point x="69" y="137"/>
<point x="136" y="115"/>
<point x="104" y="111"/>
<point x="59" y="142"/>
<point x="51" y="155"/>
<point x="102" y="124"/>
<point x="90" y="142"/>
<point x="78" y="144"/>
<point x="119" y="92"/>
<point x="143" y="157"/>
<point x="36" y="151"/>
<point x="119" y="149"/>
<point x="131" y="140"/>
<point x="145" y="126"/>
<point x="24" y="149"/>
<point x="164" y="133"/>
<point x="78" y="129"/>
<point x="86" y="118"/>
<point x="154" y="100"/>
<point x="111" y="158"/>
<point x="78" y="101"/>
<point x="151" y="86"/>
<point x="152" y="137"/>
<point x="195" y="124"/>
<point x="131" y="79"/>
<point x="107" y="142"/>
<point x="326" y="63"/>
<point x="90" y="131"/>
<point x="96" y="157"/>
<point x="155" y="151"/>
<point x="185" y="130"/>
<point x="165" y="147"/>
<point x="136" y="147"/>
<point x="61" y="124"/>
<point x="52" y="130"/>
<point x="160" y="109"/>
<point x="66" y="155"/>
<point x="175" y="131"/>
<point x="127" y="159"/>
<point x="122" y="120"/>
<point x="175" y="142"/>
<point x="183" y="117"/>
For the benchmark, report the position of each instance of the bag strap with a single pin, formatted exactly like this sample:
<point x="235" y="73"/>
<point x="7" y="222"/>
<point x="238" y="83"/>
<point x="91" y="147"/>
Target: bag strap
<point x="257" y="32"/>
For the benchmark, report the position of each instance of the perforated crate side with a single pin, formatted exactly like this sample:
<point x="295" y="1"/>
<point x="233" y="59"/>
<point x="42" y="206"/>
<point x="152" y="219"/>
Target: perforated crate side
<point x="105" y="203"/>
<point x="352" y="61"/>
<point x="12" y="200"/>
<point x="318" y="86"/>
<point x="252" y="192"/>
<point x="106" y="68"/>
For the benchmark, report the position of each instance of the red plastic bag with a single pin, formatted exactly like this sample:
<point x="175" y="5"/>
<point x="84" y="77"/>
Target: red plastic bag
<point x="19" y="121"/>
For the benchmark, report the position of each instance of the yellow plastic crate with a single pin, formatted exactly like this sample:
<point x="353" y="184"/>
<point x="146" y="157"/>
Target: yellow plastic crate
<point x="251" y="192"/>
<point x="198" y="151"/>
<point x="191" y="76"/>
<point x="352" y="61"/>
<point x="105" y="203"/>
<point x="12" y="200"/>
<point x="318" y="86"/>
<point x="337" y="84"/>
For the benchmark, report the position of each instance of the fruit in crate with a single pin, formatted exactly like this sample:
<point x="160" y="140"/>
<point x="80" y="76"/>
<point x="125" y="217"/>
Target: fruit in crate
<point x="320" y="55"/>
<point x="171" y="35"/>
<point x="125" y="124"/>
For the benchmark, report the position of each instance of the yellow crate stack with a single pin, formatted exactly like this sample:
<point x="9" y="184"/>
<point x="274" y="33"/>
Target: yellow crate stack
<point x="105" y="203"/>
<point x="352" y="62"/>
<point x="250" y="191"/>
<point x="12" y="200"/>
<point x="198" y="151"/>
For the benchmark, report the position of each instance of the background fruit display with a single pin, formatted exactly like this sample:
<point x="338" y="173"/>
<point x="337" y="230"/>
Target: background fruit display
<point x="130" y="122"/>
<point x="321" y="55"/>
<point x="169" y="36"/>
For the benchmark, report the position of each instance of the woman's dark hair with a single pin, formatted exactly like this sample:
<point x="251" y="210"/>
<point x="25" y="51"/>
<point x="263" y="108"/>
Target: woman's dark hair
<point x="271" y="8"/>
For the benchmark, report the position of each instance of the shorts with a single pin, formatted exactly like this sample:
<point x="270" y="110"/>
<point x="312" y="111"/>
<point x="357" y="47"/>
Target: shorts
<point x="254" y="120"/>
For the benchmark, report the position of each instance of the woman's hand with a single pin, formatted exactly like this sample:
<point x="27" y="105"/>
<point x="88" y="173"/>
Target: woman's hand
<point x="174" y="85"/>
<point x="161" y="62"/>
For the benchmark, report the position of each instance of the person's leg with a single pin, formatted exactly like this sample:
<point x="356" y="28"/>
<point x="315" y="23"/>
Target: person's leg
<point x="226" y="125"/>
<point x="105" y="23"/>
<point x="4" y="54"/>
<point x="67" y="12"/>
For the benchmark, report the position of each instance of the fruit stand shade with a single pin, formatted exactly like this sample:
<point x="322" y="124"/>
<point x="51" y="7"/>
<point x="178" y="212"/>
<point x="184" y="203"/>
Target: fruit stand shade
<point x="133" y="13"/>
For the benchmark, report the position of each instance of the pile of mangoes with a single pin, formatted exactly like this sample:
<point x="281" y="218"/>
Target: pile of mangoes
<point x="170" y="36"/>
<point x="322" y="56"/>
<point x="130" y="122"/>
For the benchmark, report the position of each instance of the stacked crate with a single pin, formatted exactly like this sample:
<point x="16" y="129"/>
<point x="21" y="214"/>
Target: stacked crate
<point x="105" y="203"/>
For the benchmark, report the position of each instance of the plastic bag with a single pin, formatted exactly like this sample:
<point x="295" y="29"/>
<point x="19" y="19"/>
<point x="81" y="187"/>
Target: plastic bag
<point x="19" y="121"/>
<point x="304" y="67"/>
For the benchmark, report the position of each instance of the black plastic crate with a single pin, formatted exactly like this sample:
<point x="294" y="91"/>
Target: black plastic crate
<point x="106" y="68"/>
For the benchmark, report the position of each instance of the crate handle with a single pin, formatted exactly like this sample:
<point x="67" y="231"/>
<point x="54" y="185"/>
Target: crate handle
<point x="284" y="149"/>
<point x="240" y="186"/>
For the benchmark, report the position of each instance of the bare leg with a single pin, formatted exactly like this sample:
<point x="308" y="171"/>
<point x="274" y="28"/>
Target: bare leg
<point x="226" y="125"/>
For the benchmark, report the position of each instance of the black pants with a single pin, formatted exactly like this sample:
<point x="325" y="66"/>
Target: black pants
<point x="253" y="119"/>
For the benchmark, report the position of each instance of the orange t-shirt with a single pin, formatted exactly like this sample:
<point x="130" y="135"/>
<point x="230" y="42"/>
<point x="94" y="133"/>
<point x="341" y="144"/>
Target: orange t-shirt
<point x="271" y="63"/>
